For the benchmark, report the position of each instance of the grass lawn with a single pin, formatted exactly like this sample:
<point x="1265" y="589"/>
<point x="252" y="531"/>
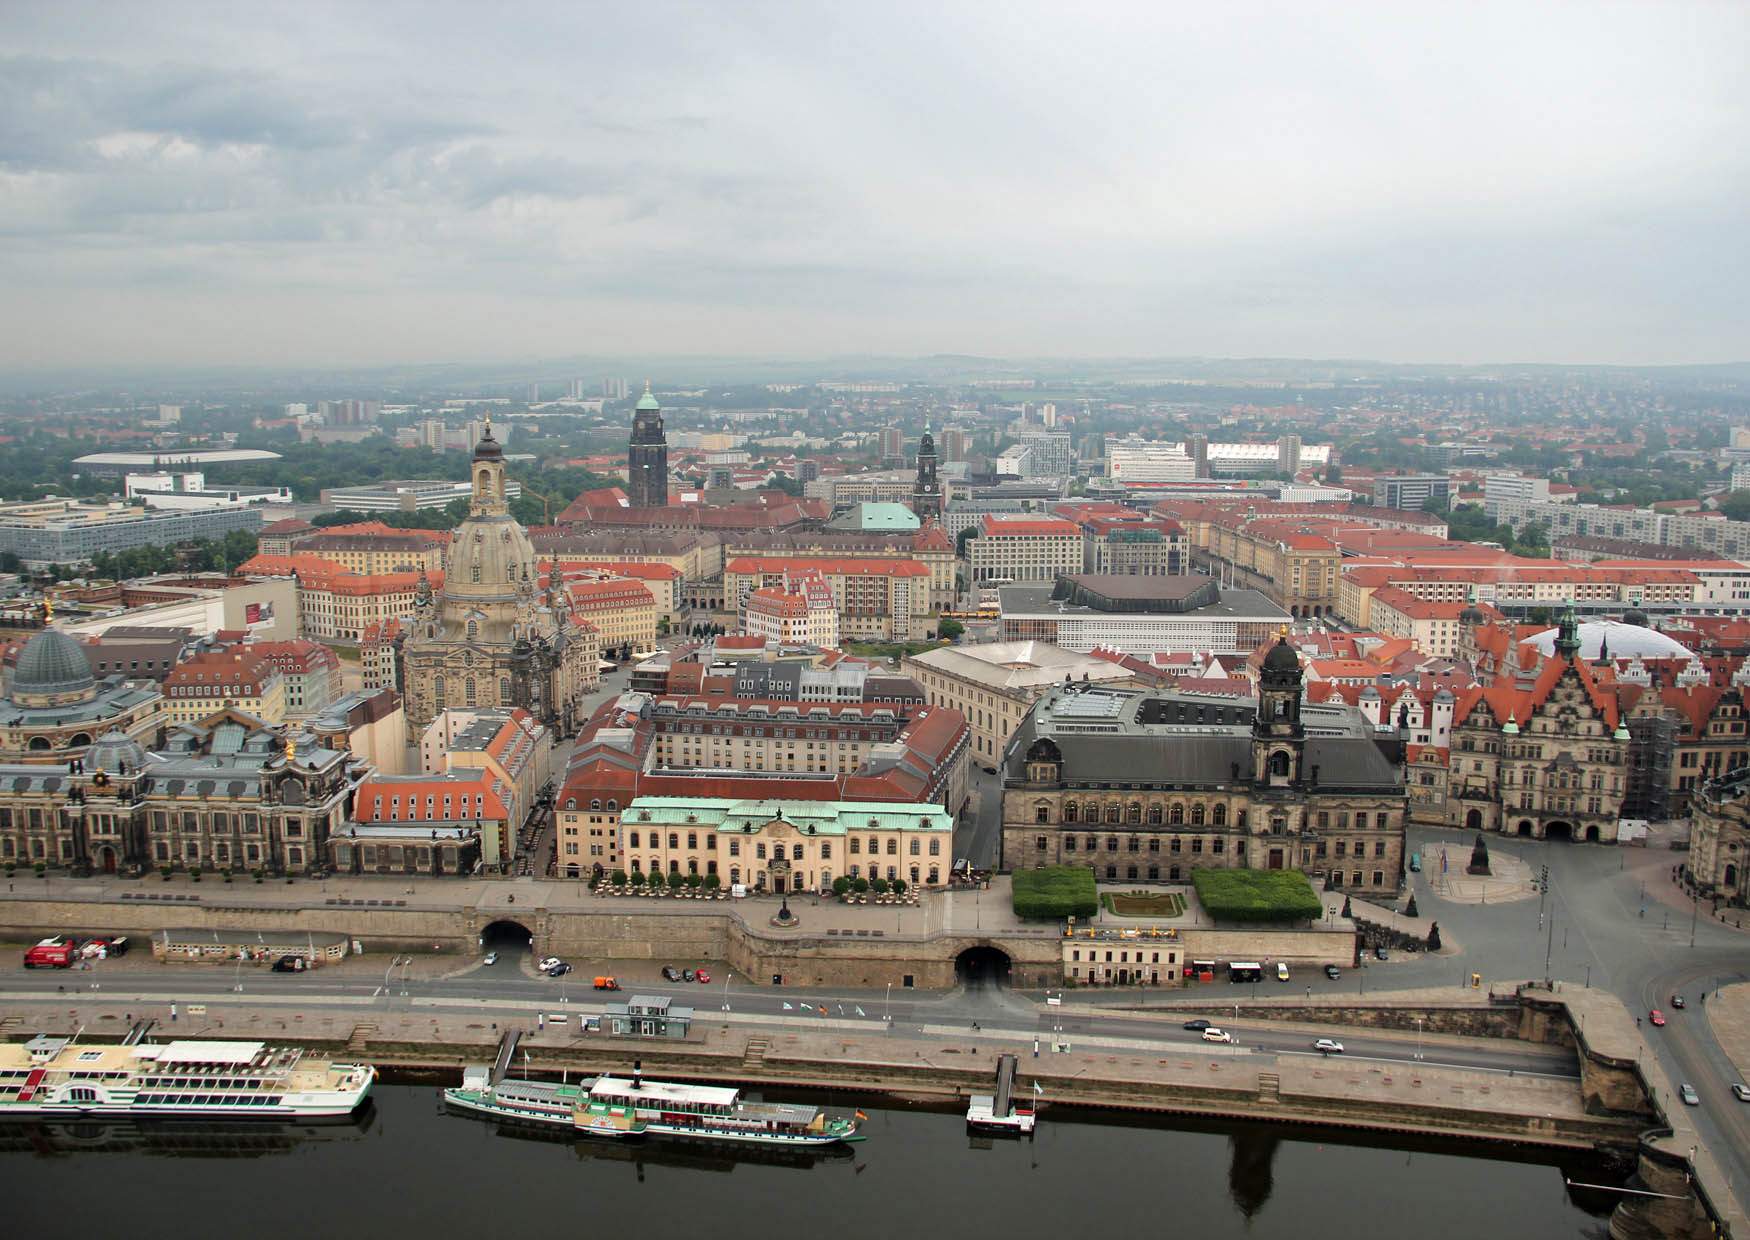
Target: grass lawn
<point x="1257" y="895"/>
<point x="886" y="650"/>
<point x="1162" y="904"/>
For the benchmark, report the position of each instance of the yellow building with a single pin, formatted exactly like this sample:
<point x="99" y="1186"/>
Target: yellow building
<point x="235" y="677"/>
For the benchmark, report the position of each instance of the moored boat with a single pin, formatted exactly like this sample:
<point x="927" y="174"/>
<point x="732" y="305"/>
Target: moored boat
<point x="619" y="1107"/>
<point x="542" y="1103"/>
<point x="52" y="1077"/>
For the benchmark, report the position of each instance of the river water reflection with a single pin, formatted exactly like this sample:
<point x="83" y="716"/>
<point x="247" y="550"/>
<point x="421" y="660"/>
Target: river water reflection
<point x="406" y="1169"/>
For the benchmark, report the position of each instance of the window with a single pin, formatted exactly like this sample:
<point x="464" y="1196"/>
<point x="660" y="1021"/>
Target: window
<point x="1154" y="815"/>
<point x="1197" y="814"/>
<point x="1069" y="811"/>
<point x="1041" y="813"/>
<point x="1069" y="843"/>
<point x="1220" y="815"/>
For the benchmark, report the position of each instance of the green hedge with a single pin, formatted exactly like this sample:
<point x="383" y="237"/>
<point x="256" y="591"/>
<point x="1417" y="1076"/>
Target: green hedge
<point x="1055" y="892"/>
<point x="1257" y="895"/>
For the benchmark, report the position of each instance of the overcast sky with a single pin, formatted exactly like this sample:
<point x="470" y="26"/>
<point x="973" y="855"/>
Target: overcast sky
<point x="306" y="183"/>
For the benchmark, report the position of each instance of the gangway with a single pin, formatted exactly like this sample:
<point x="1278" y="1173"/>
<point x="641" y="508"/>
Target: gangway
<point x="506" y="1054"/>
<point x="138" y="1033"/>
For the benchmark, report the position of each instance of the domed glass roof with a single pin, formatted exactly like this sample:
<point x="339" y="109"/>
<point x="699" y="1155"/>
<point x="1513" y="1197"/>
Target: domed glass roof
<point x="1623" y="641"/>
<point x="51" y="662"/>
<point x="116" y="752"/>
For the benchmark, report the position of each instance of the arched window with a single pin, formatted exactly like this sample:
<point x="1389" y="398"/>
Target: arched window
<point x="1176" y="816"/>
<point x="1133" y="815"/>
<point x="1279" y="765"/>
<point x="1220" y="815"/>
<point x="473" y="629"/>
<point x="1069" y="811"/>
<point x="504" y="690"/>
<point x="437" y="691"/>
<point x="468" y="691"/>
<point x="1113" y="811"/>
<point x="1197" y="814"/>
<point x="1154" y="815"/>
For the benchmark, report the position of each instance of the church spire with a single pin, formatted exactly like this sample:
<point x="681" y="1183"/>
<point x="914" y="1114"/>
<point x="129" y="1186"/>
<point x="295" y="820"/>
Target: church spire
<point x="1568" y="634"/>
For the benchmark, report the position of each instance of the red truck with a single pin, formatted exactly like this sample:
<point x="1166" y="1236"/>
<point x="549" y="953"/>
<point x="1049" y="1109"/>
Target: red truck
<point x="55" y="953"/>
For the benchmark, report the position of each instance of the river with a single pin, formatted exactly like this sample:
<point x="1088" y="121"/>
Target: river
<point x="406" y="1170"/>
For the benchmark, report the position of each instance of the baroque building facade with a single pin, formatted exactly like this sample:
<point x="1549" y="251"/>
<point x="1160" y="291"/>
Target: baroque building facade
<point x="1544" y="757"/>
<point x="1719" y="851"/>
<point x="490" y="638"/>
<point x="1148" y="786"/>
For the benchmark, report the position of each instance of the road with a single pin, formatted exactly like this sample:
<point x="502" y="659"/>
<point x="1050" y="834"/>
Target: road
<point x="513" y="987"/>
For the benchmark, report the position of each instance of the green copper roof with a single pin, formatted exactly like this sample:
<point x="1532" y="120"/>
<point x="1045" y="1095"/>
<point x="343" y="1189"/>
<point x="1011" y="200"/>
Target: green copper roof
<point x="647" y="401"/>
<point x="885" y="517"/>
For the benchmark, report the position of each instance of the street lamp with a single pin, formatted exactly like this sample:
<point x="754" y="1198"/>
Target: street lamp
<point x="1419" y="1037"/>
<point x="886" y="1003"/>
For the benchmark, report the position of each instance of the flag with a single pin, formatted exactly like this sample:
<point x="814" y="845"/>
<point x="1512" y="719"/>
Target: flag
<point x="859" y="1011"/>
<point x="788" y="1008"/>
<point x="1038" y="1089"/>
<point x="821" y="1010"/>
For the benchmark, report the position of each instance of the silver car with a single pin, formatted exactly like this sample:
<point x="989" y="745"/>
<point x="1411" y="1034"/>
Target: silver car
<point x="1686" y="1091"/>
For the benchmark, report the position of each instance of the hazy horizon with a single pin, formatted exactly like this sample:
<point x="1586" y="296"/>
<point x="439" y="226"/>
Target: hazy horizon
<point x="326" y="186"/>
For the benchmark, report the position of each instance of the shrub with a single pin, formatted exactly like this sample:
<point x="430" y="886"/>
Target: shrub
<point x="194" y="873"/>
<point x="636" y="878"/>
<point x="676" y="880"/>
<point x="619" y="878"/>
<point x="163" y="869"/>
<point x="859" y="885"/>
<point x="694" y="882"/>
<point x="1257" y="895"/>
<point x="1051" y="893"/>
<point x="899" y="886"/>
<point x="880" y="886"/>
<point x="712" y="882"/>
<point x="840" y="885"/>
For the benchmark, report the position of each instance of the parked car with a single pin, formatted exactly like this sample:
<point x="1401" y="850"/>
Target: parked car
<point x="559" y="970"/>
<point x="670" y="973"/>
<point x="687" y="975"/>
<point x="548" y="963"/>
<point x="1741" y="1091"/>
<point x="491" y="958"/>
<point x="1281" y="971"/>
<point x="1198" y="1024"/>
<point x="1677" y="1001"/>
<point x="1333" y="972"/>
<point x="1656" y="1017"/>
<point x="1686" y="1091"/>
<point x="1212" y="1034"/>
<point x="701" y="976"/>
<point x="1328" y="1046"/>
<point x="290" y="964"/>
<point x="1379" y="953"/>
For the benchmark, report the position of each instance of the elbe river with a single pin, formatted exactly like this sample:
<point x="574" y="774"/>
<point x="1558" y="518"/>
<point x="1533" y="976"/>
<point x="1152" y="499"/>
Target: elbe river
<point x="405" y="1169"/>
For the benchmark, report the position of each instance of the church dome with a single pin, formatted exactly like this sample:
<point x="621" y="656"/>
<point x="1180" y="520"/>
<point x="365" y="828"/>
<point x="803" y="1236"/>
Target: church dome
<point x="1622" y="640"/>
<point x="52" y="665"/>
<point x="1282" y="658"/>
<point x="648" y="403"/>
<point x="489" y="557"/>
<point x="1636" y="617"/>
<point x="116" y="752"/>
<point x="486" y="448"/>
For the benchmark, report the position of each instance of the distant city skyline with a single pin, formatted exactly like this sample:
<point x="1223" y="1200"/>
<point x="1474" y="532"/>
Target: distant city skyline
<point x="338" y="185"/>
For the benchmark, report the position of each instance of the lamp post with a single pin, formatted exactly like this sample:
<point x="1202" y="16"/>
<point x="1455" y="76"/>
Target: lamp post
<point x="1419" y="1037"/>
<point x="886" y="1005"/>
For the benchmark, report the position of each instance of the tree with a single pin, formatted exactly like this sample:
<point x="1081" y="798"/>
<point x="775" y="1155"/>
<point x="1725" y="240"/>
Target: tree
<point x="899" y="886"/>
<point x="880" y="886"/>
<point x="1348" y="911"/>
<point x="694" y="882"/>
<point x="1479" y="857"/>
<point x="1736" y="506"/>
<point x="712" y="882"/>
<point x="676" y="880"/>
<point x="619" y="878"/>
<point x="1434" y="937"/>
<point x="636" y="878"/>
<point x="860" y="885"/>
<point x="950" y="628"/>
<point x="961" y="539"/>
<point x="1410" y="908"/>
<point x="840" y="885"/>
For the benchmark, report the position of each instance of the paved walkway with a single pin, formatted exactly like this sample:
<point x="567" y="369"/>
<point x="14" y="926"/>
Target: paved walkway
<point x="1728" y="1016"/>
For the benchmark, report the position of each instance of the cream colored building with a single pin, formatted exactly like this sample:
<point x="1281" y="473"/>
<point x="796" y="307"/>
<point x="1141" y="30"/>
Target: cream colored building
<point x="231" y="678"/>
<point x="783" y="846"/>
<point x="1024" y="547"/>
<point x="995" y="684"/>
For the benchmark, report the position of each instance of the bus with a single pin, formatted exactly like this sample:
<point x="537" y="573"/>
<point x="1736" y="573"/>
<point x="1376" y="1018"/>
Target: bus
<point x="1245" y="971"/>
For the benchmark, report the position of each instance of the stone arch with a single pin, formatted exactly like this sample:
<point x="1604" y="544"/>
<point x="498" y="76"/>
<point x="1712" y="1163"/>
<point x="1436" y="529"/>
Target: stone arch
<point x="983" y="964"/>
<point x="1525" y="826"/>
<point x="506" y="935"/>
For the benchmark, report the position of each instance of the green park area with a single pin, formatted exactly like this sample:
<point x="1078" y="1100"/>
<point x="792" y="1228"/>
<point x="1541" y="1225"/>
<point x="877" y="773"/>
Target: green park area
<point x="1054" y="892"/>
<point x="1257" y="895"/>
<point x="1161" y="904"/>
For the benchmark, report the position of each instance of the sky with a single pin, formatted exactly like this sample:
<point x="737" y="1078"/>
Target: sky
<point x="374" y="184"/>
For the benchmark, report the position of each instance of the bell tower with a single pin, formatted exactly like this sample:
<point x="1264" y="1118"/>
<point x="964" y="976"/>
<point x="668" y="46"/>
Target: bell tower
<point x="488" y="499"/>
<point x="1278" y="739"/>
<point x="926" y="492"/>
<point x="647" y="456"/>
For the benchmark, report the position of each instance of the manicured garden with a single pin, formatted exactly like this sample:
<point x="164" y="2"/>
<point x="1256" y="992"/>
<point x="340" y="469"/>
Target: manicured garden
<point x="1162" y="904"/>
<point x="1257" y="895"/>
<point x="1054" y="892"/>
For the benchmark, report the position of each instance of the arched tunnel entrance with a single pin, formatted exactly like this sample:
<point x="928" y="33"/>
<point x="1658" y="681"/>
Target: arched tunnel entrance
<point x="506" y="937"/>
<point x="982" y="966"/>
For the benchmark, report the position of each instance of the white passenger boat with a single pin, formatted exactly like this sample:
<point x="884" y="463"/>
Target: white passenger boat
<point x="48" y="1077"/>
<point x="618" y="1107"/>
<point x="981" y="1116"/>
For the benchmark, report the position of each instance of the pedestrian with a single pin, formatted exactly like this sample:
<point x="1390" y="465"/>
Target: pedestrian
<point x="173" y="1013"/>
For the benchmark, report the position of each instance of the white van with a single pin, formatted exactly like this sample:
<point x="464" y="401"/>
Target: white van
<point x="1281" y="971"/>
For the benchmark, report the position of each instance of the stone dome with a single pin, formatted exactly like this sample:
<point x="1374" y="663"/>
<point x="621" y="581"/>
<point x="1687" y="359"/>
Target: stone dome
<point x="1623" y="641"/>
<point x="489" y="558"/>
<point x="1282" y="658"/>
<point x="1636" y="617"/>
<point x="52" y="665"/>
<point x="486" y="448"/>
<point x="116" y="753"/>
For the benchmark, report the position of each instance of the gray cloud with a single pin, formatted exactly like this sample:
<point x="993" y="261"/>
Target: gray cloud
<point x="397" y="182"/>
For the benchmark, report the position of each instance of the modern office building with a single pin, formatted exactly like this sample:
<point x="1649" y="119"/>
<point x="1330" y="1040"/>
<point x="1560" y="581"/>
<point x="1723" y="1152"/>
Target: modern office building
<point x="71" y="531"/>
<point x="1413" y="492"/>
<point x="1139" y="615"/>
<point x="405" y="495"/>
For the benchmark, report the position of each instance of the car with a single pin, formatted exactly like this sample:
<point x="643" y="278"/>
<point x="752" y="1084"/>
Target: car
<point x="670" y="973"/>
<point x="1380" y="953"/>
<point x="491" y="958"/>
<point x="1677" y="1002"/>
<point x="1198" y="1024"/>
<point x="688" y="975"/>
<point x="1741" y="1091"/>
<point x="1333" y="972"/>
<point x="1328" y="1046"/>
<point x="291" y="964"/>
<point x="1656" y="1017"/>
<point x="547" y="963"/>
<point x="559" y="970"/>
<point x="1282" y="974"/>
<point x="701" y="976"/>
<point x="1212" y="1034"/>
<point x="1686" y="1091"/>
